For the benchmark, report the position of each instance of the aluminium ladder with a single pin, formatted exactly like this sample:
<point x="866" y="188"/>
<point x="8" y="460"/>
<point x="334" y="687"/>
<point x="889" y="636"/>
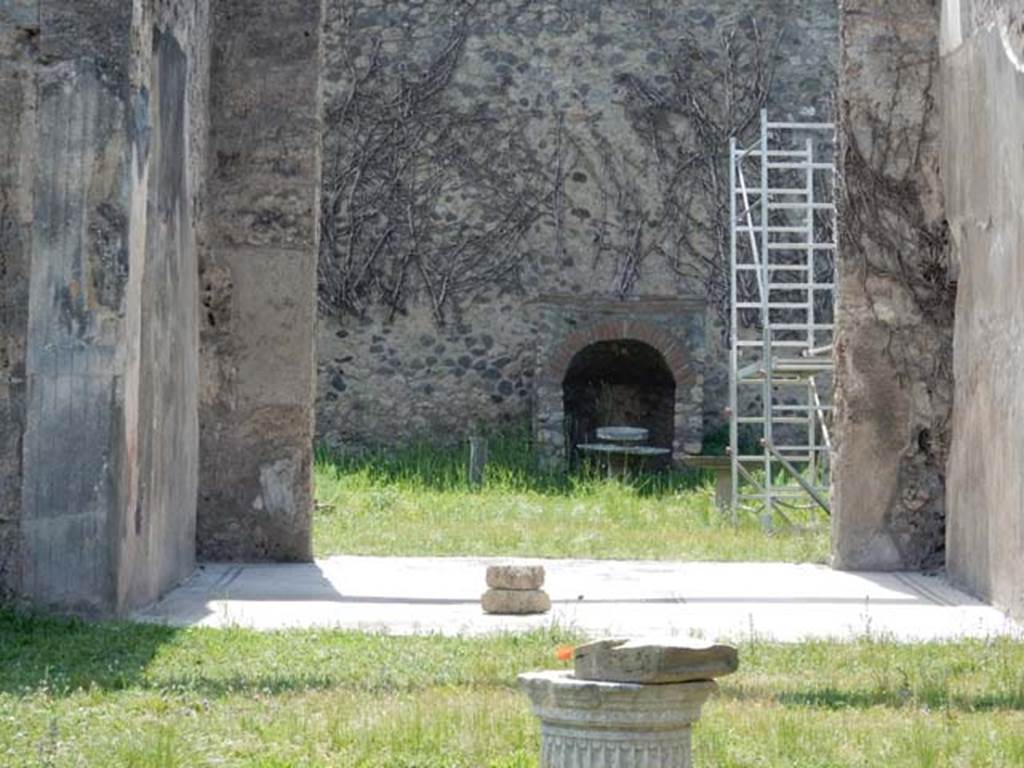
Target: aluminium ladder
<point x="783" y="280"/>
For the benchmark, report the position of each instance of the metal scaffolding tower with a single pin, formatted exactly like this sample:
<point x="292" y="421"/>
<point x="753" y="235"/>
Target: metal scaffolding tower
<point x="782" y="262"/>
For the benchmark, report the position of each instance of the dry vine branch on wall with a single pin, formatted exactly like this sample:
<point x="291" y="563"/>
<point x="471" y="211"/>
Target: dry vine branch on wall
<point x="714" y="93"/>
<point x="422" y="199"/>
<point x="426" y="199"/>
<point x="620" y="231"/>
<point x="899" y="254"/>
<point x="882" y="202"/>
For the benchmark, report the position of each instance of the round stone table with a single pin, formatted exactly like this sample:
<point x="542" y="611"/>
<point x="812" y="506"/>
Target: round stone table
<point x="623" y="434"/>
<point x="620" y="459"/>
<point x="593" y="724"/>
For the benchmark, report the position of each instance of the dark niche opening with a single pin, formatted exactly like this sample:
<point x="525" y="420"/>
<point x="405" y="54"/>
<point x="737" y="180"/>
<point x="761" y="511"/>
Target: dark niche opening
<point x="621" y="383"/>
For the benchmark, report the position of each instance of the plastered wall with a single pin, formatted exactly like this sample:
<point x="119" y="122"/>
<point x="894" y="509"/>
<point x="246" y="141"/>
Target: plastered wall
<point x="983" y="172"/>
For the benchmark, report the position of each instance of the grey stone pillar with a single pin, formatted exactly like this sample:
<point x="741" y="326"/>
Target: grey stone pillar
<point x="595" y="724"/>
<point x="258" y="282"/>
<point x="108" y="368"/>
<point x="894" y="312"/>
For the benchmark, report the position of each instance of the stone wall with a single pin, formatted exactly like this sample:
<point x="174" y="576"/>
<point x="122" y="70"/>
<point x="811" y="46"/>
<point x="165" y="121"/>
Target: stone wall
<point x="479" y="156"/>
<point x="983" y="170"/>
<point x="258" y="281"/>
<point x="112" y="148"/>
<point x="894" y="372"/>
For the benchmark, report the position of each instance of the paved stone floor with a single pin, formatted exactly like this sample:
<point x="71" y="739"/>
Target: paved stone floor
<point x="736" y="601"/>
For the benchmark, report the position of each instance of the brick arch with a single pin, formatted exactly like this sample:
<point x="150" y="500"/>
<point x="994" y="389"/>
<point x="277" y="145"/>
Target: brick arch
<point x="557" y="365"/>
<point x="549" y="416"/>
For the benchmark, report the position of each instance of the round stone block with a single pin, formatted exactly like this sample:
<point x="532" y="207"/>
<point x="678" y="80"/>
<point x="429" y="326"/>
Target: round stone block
<point x="614" y="725"/>
<point x="515" y="576"/>
<point x="515" y="601"/>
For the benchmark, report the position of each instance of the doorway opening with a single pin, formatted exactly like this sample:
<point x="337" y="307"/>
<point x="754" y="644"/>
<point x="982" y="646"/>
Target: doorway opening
<point x="619" y="383"/>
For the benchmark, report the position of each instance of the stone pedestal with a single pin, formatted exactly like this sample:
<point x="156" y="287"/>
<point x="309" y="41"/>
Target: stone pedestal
<point x="721" y="467"/>
<point x="596" y="724"/>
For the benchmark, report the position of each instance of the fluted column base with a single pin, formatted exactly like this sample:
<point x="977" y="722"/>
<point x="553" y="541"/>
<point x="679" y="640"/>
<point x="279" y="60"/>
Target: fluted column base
<point x="588" y="724"/>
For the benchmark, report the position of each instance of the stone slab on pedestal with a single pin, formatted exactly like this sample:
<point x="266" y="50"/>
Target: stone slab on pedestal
<point x="622" y="725"/>
<point x="654" y="662"/>
<point x="515" y="601"/>
<point x="523" y="577"/>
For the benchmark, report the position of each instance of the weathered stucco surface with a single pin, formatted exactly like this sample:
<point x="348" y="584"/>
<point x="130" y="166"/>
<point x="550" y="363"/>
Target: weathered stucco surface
<point x="258" y="281"/>
<point x="150" y="282"/>
<point x="894" y="389"/>
<point x="159" y="537"/>
<point x="479" y="156"/>
<point x="983" y="171"/>
<point x="109" y="450"/>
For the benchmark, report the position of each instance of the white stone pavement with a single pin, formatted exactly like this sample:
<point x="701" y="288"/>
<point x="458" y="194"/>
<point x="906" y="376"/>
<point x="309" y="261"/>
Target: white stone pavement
<point x="718" y="601"/>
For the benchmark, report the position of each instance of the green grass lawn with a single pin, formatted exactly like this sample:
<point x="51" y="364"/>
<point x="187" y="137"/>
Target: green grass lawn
<point x="417" y="502"/>
<point x="73" y="694"/>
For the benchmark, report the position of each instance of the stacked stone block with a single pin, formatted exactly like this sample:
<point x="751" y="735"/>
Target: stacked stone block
<point x="515" y="590"/>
